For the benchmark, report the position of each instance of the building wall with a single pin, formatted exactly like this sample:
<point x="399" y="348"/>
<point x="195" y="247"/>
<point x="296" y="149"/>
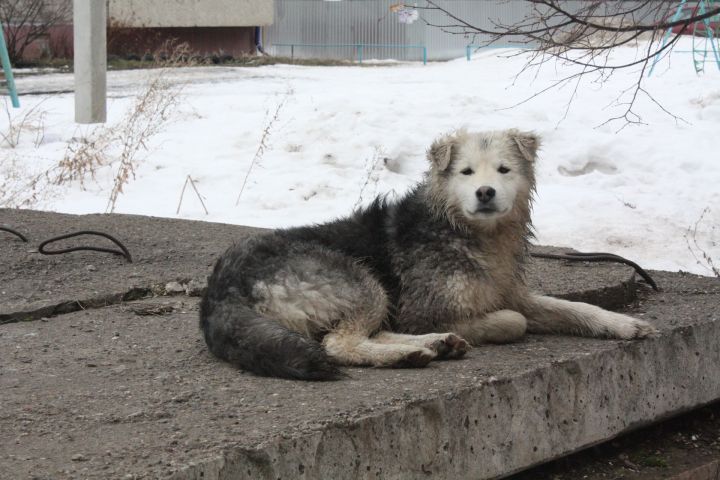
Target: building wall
<point x="191" y="13"/>
<point x="56" y="43"/>
<point x="208" y="26"/>
<point x="204" y="41"/>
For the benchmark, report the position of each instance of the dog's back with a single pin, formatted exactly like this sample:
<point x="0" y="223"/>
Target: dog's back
<point x="271" y="299"/>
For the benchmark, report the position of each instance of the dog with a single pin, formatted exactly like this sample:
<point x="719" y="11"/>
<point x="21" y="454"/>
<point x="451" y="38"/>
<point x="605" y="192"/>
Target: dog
<point x="398" y="284"/>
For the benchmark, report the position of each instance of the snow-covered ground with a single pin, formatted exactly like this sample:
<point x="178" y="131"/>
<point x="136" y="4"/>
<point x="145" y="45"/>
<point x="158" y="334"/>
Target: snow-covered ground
<point x="345" y="134"/>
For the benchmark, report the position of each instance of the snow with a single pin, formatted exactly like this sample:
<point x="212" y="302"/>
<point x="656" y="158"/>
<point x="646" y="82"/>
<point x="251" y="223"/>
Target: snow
<point x="345" y="134"/>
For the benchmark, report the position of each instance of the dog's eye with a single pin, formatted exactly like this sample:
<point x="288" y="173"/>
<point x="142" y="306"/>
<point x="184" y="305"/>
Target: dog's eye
<point x="503" y="169"/>
<point x="467" y="171"/>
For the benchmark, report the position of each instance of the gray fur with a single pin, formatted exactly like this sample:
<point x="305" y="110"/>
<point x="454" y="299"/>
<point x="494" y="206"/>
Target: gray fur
<point x="294" y="303"/>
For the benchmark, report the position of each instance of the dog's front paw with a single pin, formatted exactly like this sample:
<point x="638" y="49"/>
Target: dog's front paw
<point x="450" y="346"/>
<point x="416" y="359"/>
<point x="629" y="328"/>
<point x="644" y="329"/>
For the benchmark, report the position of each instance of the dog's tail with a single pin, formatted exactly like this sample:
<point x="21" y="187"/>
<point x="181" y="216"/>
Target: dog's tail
<point x="235" y="332"/>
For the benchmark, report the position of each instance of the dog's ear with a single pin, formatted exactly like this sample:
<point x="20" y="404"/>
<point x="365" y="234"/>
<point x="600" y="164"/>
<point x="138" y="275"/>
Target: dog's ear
<point x="442" y="151"/>
<point x="527" y="142"/>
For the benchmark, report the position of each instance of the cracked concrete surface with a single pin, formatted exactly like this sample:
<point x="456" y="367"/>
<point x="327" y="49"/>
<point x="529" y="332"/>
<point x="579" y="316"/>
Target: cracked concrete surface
<point x="129" y="390"/>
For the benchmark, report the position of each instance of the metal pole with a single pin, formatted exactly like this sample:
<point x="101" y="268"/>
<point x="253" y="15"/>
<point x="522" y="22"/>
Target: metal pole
<point x="710" y="37"/>
<point x="90" y="60"/>
<point x="666" y="36"/>
<point x="424" y="55"/>
<point x="7" y="68"/>
<point x="360" y="52"/>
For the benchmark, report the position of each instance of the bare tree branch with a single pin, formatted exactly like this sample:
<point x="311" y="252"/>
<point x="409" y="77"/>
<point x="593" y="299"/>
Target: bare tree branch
<point x="584" y="34"/>
<point x="25" y="21"/>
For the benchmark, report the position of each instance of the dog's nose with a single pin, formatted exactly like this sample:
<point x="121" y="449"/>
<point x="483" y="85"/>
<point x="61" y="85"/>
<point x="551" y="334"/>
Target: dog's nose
<point x="485" y="194"/>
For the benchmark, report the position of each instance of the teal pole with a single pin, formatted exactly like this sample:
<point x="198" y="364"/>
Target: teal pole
<point x="666" y="36"/>
<point x="8" y="70"/>
<point x="710" y="37"/>
<point x="360" y="52"/>
<point x="424" y="55"/>
<point x="467" y="52"/>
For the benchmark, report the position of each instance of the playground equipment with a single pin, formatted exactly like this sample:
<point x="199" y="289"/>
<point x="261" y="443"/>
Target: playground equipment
<point x="8" y="70"/>
<point x="704" y="30"/>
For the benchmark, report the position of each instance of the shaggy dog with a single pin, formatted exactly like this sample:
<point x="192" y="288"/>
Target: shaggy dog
<point x="399" y="284"/>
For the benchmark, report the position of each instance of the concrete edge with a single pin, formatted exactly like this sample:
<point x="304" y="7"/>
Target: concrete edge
<point x="556" y="409"/>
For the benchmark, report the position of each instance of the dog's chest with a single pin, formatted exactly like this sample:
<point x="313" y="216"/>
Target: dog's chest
<point x="484" y="281"/>
<point x="460" y="278"/>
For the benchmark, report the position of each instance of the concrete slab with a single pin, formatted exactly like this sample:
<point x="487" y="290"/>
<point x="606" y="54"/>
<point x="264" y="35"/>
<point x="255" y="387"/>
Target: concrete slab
<point x="164" y="250"/>
<point x="33" y="286"/>
<point x="129" y="391"/>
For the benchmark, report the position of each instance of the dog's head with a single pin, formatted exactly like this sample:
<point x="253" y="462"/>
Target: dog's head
<point x="483" y="178"/>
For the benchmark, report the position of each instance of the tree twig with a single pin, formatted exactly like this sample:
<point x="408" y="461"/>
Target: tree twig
<point x="583" y="34"/>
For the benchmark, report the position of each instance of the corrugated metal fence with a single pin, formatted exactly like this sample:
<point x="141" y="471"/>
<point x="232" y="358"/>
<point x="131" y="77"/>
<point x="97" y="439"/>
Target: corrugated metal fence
<point x="334" y="28"/>
<point x="371" y="22"/>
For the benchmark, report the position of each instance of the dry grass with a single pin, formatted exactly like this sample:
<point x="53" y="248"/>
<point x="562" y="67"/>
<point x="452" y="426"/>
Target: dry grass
<point x="12" y="175"/>
<point x="701" y="255"/>
<point x="30" y="123"/>
<point x="264" y="139"/>
<point x="190" y="180"/>
<point x="152" y="110"/>
<point x="21" y="186"/>
<point x="84" y="155"/>
<point x="17" y="179"/>
<point x="118" y="147"/>
<point x="373" y="165"/>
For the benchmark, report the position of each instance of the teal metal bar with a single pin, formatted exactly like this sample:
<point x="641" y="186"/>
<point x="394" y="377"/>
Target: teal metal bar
<point x="467" y="52"/>
<point x="424" y="55"/>
<point x="8" y="70"/>
<point x="699" y="65"/>
<point x="666" y="36"/>
<point x="710" y="38"/>
<point x="360" y="52"/>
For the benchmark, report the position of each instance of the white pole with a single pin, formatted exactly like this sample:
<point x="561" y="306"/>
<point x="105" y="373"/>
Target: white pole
<point x="90" y="60"/>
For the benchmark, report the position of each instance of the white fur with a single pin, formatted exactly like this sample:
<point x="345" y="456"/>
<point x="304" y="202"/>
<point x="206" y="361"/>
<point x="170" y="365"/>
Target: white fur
<point x="347" y="348"/>
<point x="476" y="160"/>
<point x="484" y="154"/>
<point x="501" y="326"/>
<point x="552" y="315"/>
